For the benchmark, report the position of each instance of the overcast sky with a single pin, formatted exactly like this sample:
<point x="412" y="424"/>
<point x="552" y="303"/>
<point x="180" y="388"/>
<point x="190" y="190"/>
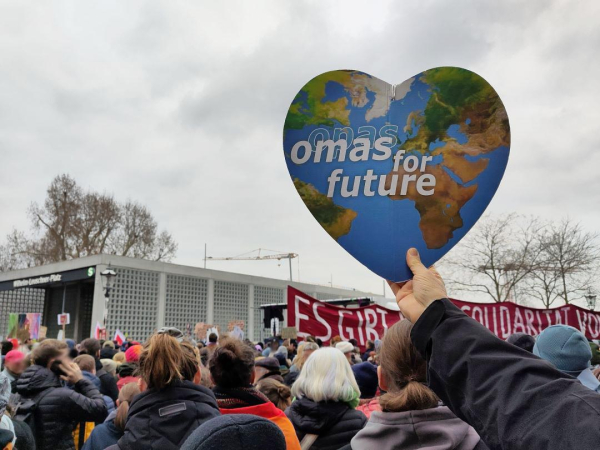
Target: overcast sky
<point x="180" y="106"/>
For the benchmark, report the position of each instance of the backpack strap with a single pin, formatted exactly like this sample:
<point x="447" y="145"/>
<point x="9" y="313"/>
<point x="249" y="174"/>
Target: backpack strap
<point x="308" y="441"/>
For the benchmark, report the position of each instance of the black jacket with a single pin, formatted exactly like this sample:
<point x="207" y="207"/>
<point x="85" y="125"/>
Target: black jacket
<point x="513" y="399"/>
<point x="164" y="419"/>
<point x="61" y="409"/>
<point x="334" y="422"/>
<point x="108" y="383"/>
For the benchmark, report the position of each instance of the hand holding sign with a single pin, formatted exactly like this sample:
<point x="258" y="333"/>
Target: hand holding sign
<point x="414" y="296"/>
<point x="384" y="168"/>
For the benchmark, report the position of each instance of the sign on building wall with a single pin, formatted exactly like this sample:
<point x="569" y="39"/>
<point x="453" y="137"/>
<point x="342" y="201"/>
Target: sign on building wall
<point x="45" y="280"/>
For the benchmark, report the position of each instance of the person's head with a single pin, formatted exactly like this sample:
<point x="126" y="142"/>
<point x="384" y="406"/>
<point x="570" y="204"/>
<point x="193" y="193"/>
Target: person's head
<point x="126" y="395"/>
<point x="278" y="393"/>
<point x="232" y="364"/>
<point x="236" y="431"/>
<point x="190" y="364"/>
<point x="205" y="379"/>
<point x="200" y="345"/>
<point x="263" y="366"/>
<point x="109" y="366"/>
<point x="292" y="345"/>
<point x="370" y="345"/>
<point x="565" y="347"/>
<point x="213" y="338"/>
<point x="346" y="348"/>
<point x="366" y="377"/>
<point x="319" y="342"/>
<point x="307" y="349"/>
<point x="326" y="376"/>
<point x="595" y="354"/>
<point x="402" y="372"/>
<point x="132" y="354"/>
<point x="109" y="344"/>
<point x="90" y="346"/>
<point x="7" y="346"/>
<point x="49" y="351"/>
<point x="274" y="345"/>
<point x="335" y="340"/>
<point x="119" y="358"/>
<point x="165" y="360"/>
<point x="15" y="362"/>
<point x="522" y="340"/>
<point x="86" y="363"/>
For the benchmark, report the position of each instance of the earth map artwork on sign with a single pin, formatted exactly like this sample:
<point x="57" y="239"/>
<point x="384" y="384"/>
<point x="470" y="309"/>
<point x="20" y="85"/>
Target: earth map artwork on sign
<point x="384" y="168"/>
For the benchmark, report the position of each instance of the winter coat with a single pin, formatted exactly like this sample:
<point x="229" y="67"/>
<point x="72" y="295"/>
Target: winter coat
<point x="104" y="435"/>
<point x="25" y="439"/>
<point x="164" y="419"/>
<point x="61" y="409"/>
<point x="271" y="412"/>
<point x="108" y="382"/>
<point x="435" y="428"/>
<point x="335" y="423"/>
<point x="513" y="399"/>
<point x="110" y="405"/>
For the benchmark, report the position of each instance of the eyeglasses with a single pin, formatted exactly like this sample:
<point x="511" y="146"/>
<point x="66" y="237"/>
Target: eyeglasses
<point x="173" y="332"/>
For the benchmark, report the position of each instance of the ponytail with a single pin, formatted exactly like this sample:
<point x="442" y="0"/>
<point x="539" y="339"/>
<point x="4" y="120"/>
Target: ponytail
<point x="161" y="361"/>
<point x="126" y="394"/>
<point x="404" y="371"/>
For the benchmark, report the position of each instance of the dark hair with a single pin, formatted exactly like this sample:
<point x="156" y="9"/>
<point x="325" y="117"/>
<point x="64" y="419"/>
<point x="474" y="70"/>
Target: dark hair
<point x="232" y="364"/>
<point x="212" y="337"/>
<point x="278" y="393"/>
<point x="190" y="363"/>
<point x="47" y="350"/>
<point x="354" y="342"/>
<point x="319" y="342"/>
<point x="90" y="346"/>
<point x="404" y="371"/>
<point x="7" y="346"/>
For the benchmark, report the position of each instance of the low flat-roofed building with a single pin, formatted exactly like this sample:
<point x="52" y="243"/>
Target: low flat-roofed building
<point x="146" y="295"/>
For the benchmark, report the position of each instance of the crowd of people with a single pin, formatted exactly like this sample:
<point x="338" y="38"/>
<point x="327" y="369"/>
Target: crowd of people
<point x="438" y="380"/>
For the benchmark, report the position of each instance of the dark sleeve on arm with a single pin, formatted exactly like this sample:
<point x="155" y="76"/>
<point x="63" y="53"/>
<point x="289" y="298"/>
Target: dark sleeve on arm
<point x="512" y="398"/>
<point x="85" y="403"/>
<point x="110" y="386"/>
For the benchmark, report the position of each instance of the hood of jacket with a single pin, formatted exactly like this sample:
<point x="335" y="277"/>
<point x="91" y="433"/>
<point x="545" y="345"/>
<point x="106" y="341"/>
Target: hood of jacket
<point x="163" y="419"/>
<point x="315" y="418"/>
<point x="35" y="379"/>
<point x="435" y="428"/>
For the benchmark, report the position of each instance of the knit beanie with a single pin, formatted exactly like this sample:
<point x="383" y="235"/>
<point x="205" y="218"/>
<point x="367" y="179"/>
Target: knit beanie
<point x="244" y="431"/>
<point x="522" y="340"/>
<point x="366" y="378"/>
<point x="133" y="353"/>
<point x="345" y="347"/>
<point x="565" y="347"/>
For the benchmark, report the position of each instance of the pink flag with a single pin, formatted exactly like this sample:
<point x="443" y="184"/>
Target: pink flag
<point x="98" y="331"/>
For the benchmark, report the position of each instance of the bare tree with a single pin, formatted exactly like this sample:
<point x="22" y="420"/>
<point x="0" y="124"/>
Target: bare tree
<point x="71" y="223"/>
<point x="569" y="258"/>
<point x="497" y="255"/>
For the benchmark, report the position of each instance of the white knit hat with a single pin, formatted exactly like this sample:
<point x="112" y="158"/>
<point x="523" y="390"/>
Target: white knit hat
<point x="345" y="347"/>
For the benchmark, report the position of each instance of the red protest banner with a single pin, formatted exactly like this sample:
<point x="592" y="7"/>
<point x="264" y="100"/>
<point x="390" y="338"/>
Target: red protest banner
<point x="321" y="320"/>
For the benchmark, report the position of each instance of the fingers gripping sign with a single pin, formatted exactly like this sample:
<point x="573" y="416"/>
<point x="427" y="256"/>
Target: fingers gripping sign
<point x="414" y="296"/>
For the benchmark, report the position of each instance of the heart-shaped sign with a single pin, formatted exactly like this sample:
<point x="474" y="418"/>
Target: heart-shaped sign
<point x="384" y="168"/>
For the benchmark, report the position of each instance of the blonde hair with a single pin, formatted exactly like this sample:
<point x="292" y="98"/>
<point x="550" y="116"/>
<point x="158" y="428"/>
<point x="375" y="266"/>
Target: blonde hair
<point x="86" y="362"/>
<point x="119" y="358"/>
<point x="299" y="359"/>
<point x="126" y="394"/>
<point x="326" y="376"/>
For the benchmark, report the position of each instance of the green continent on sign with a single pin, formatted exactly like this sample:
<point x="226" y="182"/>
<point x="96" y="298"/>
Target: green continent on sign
<point x="335" y="219"/>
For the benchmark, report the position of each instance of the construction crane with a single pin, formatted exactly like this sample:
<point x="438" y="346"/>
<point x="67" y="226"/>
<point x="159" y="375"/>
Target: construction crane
<point x="249" y="257"/>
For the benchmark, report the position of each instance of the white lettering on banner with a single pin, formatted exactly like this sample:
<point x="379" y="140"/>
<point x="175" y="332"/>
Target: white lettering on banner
<point x="529" y="320"/>
<point x="505" y="314"/>
<point x="361" y="338"/>
<point x="323" y="322"/>
<point x="341" y="329"/>
<point x="382" y="313"/>
<point x="299" y="316"/>
<point x="370" y="322"/>
<point x="518" y="322"/>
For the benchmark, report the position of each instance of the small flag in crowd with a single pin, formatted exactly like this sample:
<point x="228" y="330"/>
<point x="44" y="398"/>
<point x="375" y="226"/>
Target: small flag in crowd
<point x="119" y="337"/>
<point x="98" y="331"/>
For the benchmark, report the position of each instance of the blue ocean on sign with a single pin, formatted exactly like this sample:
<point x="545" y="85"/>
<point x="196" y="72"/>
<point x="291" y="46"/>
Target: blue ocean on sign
<point x="384" y="168"/>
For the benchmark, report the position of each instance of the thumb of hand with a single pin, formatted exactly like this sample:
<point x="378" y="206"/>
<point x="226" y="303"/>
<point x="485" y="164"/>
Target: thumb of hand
<point x="414" y="261"/>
